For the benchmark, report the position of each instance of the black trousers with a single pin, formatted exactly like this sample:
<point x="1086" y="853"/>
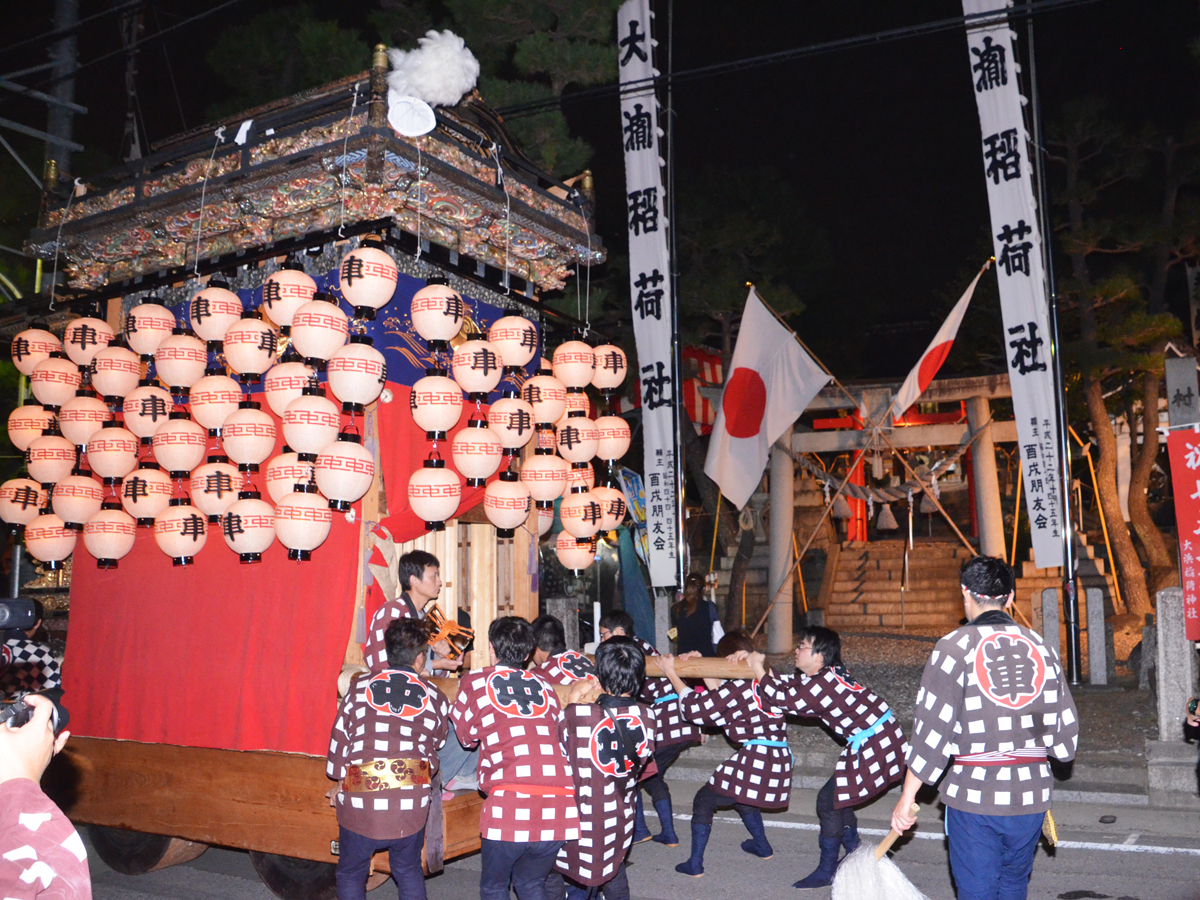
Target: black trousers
<point x="833" y="821"/>
<point x="663" y="759"/>
<point x="707" y="802"/>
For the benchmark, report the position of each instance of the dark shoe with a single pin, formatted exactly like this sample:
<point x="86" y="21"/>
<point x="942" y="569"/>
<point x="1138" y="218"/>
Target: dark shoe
<point x="668" y="836"/>
<point x="822" y="875"/>
<point x="640" y="832"/>
<point x="850" y="838"/>
<point x="758" y="845"/>
<point x="695" y="864"/>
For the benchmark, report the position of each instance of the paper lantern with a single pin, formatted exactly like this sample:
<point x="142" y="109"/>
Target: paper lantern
<point x="147" y="325"/>
<point x="284" y="382"/>
<point x="109" y="535"/>
<point x="614" y="437"/>
<point x="145" y="493"/>
<point x="213" y="310"/>
<point x="82" y="416"/>
<point x="75" y="499"/>
<point x="477" y="368"/>
<point x="54" y="381"/>
<point x="506" y="503"/>
<point x="319" y="329"/>
<point x="180" y="361"/>
<point x="545" y="519"/>
<point x="577" y="402"/>
<point x="436" y="403"/>
<point x="49" y="541"/>
<point x="179" y="445"/>
<point x="547" y="396"/>
<point x="116" y="371"/>
<point x="545" y="476"/>
<point x="249" y="527"/>
<point x="578" y="439"/>
<point x="180" y="532"/>
<point x="214" y="488"/>
<point x="251" y="347"/>
<point x="612" y="506"/>
<point x="580" y="475"/>
<point x="611" y="367"/>
<point x="84" y="338"/>
<point x="580" y="514"/>
<point x="213" y="399"/>
<point x="573" y="554"/>
<point x="51" y="458"/>
<point x="21" y="500"/>
<point x="357" y="373"/>
<point x="476" y="452"/>
<point x="31" y="346"/>
<point x="284" y="292"/>
<point x="145" y="408"/>
<point x="344" y="471"/>
<point x="25" y="423"/>
<point x="437" y="313"/>
<point x="367" y="278"/>
<point x="112" y="452"/>
<point x="311" y="422"/>
<point x="284" y="472"/>
<point x="434" y="493"/>
<point x="248" y="436"/>
<point x="511" y="420"/>
<point x="574" y="364"/>
<point x="303" y="521"/>
<point x="515" y="339"/>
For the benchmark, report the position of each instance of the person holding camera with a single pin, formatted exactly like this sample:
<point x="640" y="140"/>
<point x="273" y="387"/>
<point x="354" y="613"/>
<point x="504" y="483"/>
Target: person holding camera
<point x="26" y="664"/>
<point x="41" y="854"/>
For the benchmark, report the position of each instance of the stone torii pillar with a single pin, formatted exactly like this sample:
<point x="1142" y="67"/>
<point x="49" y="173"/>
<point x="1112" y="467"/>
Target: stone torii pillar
<point x="985" y="479"/>
<point x="779" y="581"/>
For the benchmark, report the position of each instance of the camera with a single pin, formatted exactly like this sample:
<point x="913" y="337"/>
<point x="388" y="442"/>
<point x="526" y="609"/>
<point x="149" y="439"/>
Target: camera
<point x="19" y="713"/>
<point x="18" y="615"/>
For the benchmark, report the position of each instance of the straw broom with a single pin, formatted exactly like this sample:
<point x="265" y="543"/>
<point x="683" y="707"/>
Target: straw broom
<point x="868" y="874"/>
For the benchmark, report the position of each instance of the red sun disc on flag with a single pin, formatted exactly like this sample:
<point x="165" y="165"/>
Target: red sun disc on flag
<point x="931" y="362"/>
<point x="744" y="402"/>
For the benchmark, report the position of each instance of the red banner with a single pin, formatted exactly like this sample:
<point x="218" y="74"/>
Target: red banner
<point x="1183" y="446"/>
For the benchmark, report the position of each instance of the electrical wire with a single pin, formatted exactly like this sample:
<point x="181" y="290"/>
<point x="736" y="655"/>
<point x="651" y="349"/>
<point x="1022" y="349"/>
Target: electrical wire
<point x="67" y="32"/>
<point x="170" y="69"/>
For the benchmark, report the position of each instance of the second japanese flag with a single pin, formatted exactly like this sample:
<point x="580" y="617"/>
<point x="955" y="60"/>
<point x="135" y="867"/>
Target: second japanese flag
<point x="771" y="381"/>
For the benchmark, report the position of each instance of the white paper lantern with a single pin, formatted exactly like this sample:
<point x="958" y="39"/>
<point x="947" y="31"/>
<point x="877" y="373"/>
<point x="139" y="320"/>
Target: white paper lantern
<point x="181" y="532"/>
<point x="31" y="346"/>
<point x="344" y="471"/>
<point x="112" y="452"/>
<point x="249" y="527"/>
<point x="147" y="325"/>
<point x="311" y="422"/>
<point x="248" y="436"/>
<point x="84" y="338"/>
<point x="434" y="493"/>
<point x="511" y="420"/>
<point x="547" y="396"/>
<point x="213" y="310"/>
<point x="179" y="445"/>
<point x="476" y="452"/>
<point x="438" y="313"/>
<point x="580" y="514"/>
<point x="303" y="521"/>
<point x="611" y="367"/>
<point x="145" y="408"/>
<point x="574" y="364"/>
<point x="578" y="439"/>
<point x="284" y="382"/>
<point x="251" y="347"/>
<point x="21" y="500"/>
<point x="51" y="458"/>
<point x="580" y="475"/>
<point x="214" y="488"/>
<point x="146" y="492"/>
<point x="116" y="371"/>
<point x="180" y="361"/>
<point x="436" y="403"/>
<point x="612" y="506"/>
<point x="577" y="402"/>
<point x="573" y="554"/>
<point x="54" y="381"/>
<point x="357" y="374"/>
<point x="49" y="541"/>
<point x="284" y="472"/>
<point x="109" y="535"/>
<point x="545" y="519"/>
<point x="506" y="503"/>
<point x="284" y="292"/>
<point x="516" y="340"/>
<point x="367" y="278"/>
<point x="213" y="399"/>
<point x="614" y="437"/>
<point x="25" y="423"/>
<point x="319" y="329"/>
<point x="477" y="367"/>
<point x="75" y="499"/>
<point x="82" y="416"/>
<point x="546" y="477"/>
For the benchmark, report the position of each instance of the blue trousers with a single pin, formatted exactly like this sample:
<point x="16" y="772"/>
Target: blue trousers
<point x="525" y="865"/>
<point x="991" y="857"/>
<point x="354" y="861"/>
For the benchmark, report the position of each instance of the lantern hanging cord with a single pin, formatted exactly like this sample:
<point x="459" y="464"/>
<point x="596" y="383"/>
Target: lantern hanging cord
<point x="220" y="139"/>
<point x="495" y="151"/>
<point x="417" y="201"/>
<point x="79" y="186"/>
<point x="345" y="142"/>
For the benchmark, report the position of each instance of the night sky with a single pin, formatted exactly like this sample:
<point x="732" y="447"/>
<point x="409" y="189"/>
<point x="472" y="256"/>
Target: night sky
<point x="879" y="143"/>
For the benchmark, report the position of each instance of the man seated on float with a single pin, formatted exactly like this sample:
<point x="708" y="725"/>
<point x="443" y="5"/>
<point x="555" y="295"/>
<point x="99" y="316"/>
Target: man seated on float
<point x="384" y="755"/>
<point x="551" y="658"/>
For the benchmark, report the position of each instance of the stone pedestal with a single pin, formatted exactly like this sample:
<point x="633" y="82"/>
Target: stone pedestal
<point x="1176" y="665"/>
<point x="1049" y="629"/>
<point x="1171" y="770"/>
<point x="566" y="610"/>
<point x="1098" y="638"/>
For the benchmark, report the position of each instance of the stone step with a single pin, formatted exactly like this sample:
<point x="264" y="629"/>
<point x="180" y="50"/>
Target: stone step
<point x="868" y="595"/>
<point x="885" y="608"/>
<point x="910" y="620"/>
<point x="892" y="580"/>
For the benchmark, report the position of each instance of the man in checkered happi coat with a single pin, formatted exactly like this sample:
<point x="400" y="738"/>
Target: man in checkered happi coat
<point x="530" y="811"/>
<point x="27" y="665"/>
<point x="992" y="707"/>
<point x="551" y="658"/>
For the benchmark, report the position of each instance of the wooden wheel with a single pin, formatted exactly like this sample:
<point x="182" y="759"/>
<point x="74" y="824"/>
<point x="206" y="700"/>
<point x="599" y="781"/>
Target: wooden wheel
<point x="295" y="879"/>
<point x="135" y="853"/>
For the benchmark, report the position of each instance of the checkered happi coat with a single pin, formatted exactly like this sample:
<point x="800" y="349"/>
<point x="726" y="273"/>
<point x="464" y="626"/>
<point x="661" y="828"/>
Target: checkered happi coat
<point x="27" y="666"/>
<point x="670" y="725"/>
<point x="374" y="651"/>
<point x="513" y="716"/>
<point x="755" y="775"/>
<point x="393" y="714"/>
<point x="566" y="668"/>
<point x="845" y="707"/>
<point x="992" y="686"/>
<point x="603" y="788"/>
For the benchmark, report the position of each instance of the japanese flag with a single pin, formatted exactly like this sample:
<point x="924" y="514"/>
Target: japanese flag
<point x="772" y="380"/>
<point x="935" y="354"/>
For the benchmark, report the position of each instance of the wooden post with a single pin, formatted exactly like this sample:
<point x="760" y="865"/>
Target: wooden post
<point x="525" y="600"/>
<point x="481" y="585"/>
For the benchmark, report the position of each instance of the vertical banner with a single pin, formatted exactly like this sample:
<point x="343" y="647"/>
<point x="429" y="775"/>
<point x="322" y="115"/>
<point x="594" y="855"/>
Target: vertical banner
<point x="1017" y="240"/>
<point x="649" y="283"/>
<point x="1183" y="447"/>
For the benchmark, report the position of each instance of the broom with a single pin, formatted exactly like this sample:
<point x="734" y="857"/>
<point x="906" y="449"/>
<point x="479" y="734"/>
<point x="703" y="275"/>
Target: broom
<point x="868" y="874"/>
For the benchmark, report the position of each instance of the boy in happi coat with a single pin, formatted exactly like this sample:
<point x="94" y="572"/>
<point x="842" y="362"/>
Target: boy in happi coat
<point x="609" y="739"/>
<point x="530" y="811"/>
<point x="672" y="734"/>
<point x="551" y="658"/>
<point x="384" y="755"/>
<point x="758" y="776"/>
<point x="873" y="758"/>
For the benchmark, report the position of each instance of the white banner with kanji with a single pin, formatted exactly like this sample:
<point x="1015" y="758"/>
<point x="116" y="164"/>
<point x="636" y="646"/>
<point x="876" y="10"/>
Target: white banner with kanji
<point x="1016" y="236"/>
<point x="649" y="284"/>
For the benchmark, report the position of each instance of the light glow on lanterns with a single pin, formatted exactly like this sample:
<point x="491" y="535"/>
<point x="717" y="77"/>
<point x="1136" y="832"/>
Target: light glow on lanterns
<point x="284" y="382"/>
<point x="477" y="368"/>
<point x="213" y="310"/>
<point x="578" y="439"/>
<point x="180" y="361"/>
<point x="506" y="503"/>
<point x="319" y="329"/>
<point x="31" y="346"/>
<point x="574" y="364"/>
<point x="357" y="373"/>
<point x="580" y="475"/>
<point x="214" y="488"/>
<point x="438" y="313"/>
<point x="548" y="397"/>
<point x="21" y="500"/>
<point x="147" y="325"/>
<point x="213" y="399"/>
<point x="248" y="436"/>
<point x="251" y="347"/>
<point x="54" y="381"/>
<point x="75" y="499"/>
<point x="516" y="340"/>
<point x="179" y="445"/>
<point x="180" y="531"/>
<point x="436" y="403"/>
<point x="344" y="471"/>
<point x="546" y="477"/>
<point x="614" y="437"/>
<point x="50" y="458"/>
<point x="580" y="514"/>
<point x="612" y="506"/>
<point x="310" y="423"/>
<point x="146" y="407"/>
<point x="284" y="292"/>
<point x="84" y="338"/>
<point x="116" y="371"/>
<point x="25" y="423"/>
<point x="367" y="278"/>
<point x="49" y="541"/>
<point x="249" y="527"/>
<point x="284" y="472"/>
<point x="112" y="452"/>
<point x="611" y="367"/>
<point x="511" y="420"/>
<point x="573" y="554"/>
<point x="477" y="452"/>
<point x="434" y="493"/>
<point x="145" y="493"/>
<point x="109" y="535"/>
<point x="303" y="521"/>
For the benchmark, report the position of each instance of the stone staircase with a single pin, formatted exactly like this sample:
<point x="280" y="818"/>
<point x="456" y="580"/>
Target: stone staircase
<point x="867" y="591"/>
<point x="1094" y="572"/>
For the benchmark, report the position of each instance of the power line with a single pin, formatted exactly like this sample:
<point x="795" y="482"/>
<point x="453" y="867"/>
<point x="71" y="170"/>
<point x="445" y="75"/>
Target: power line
<point x="66" y="32"/>
<point x="862" y="40"/>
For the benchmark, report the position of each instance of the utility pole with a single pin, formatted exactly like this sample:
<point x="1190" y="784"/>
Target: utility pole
<point x="64" y="54"/>
<point x="132" y="24"/>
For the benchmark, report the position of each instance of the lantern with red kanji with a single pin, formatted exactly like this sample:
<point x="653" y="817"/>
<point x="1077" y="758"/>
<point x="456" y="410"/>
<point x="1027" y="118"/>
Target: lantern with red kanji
<point x="344" y="470"/>
<point x="31" y="346"/>
<point x="50" y="458"/>
<point x="511" y="420"/>
<point x="612" y="506"/>
<point x="180" y="361"/>
<point x="319" y="329"/>
<point x="357" y="373"/>
<point x="179" y="444"/>
<point x="84" y="338"/>
<point x="574" y="364"/>
<point x="438" y="313"/>
<point x="284" y="292"/>
<point x="477" y="452"/>
<point x="251" y="347"/>
<point x="248" y="436"/>
<point x="614" y="437"/>
<point x="146" y="407"/>
<point x="580" y="513"/>
<point x="310" y="423"/>
<point x="112" y="452"/>
<point x="147" y="325"/>
<point x="284" y="472"/>
<point x="82" y="416"/>
<point x="367" y="278"/>
<point x="547" y="396"/>
<point x="575" y="554"/>
<point x="49" y="541"/>
<point x="214" y="488"/>
<point x="180" y="532"/>
<point x="116" y="371"/>
<point x="76" y="498"/>
<point x="25" y="423"/>
<point x="303" y="521"/>
<point x="477" y="369"/>
<point x="213" y="398"/>
<point x="249" y="527"/>
<point x="284" y="382"/>
<point x="516" y="340"/>
<point x="434" y="493"/>
<point x="109" y="535"/>
<point x="436" y="403"/>
<point x="21" y="500"/>
<point x="506" y="503"/>
<point x="213" y="310"/>
<point x="546" y="477"/>
<point x="145" y="493"/>
<point x="54" y="381"/>
<point x="611" y="368"/>
<point x="578" y="438"/>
